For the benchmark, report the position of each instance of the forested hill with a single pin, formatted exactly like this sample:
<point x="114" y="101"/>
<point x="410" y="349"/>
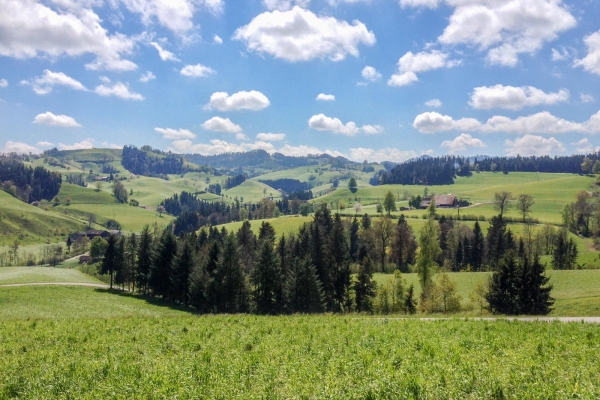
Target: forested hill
<point x="260" y="158"/>
<point x="443" y="170"/>
<point x="152" y="162"/>
<point x="27" y="183"/>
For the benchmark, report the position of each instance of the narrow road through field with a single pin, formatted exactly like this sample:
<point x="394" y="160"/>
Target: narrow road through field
<point x="97" y="285"/>
<point x="590" y="320"/>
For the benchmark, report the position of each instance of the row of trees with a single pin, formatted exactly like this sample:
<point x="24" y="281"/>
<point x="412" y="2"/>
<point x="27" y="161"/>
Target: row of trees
<point x="141" y="162"/>
<point x="443" y="170"/>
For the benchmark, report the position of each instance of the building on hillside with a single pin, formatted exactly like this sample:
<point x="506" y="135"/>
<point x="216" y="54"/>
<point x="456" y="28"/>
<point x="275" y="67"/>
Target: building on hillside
<point x="92" y="233"/>
<point x="442" y="201"/>
<point x="83" y="259"/>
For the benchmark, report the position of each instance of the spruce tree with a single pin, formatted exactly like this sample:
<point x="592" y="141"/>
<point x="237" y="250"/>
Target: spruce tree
<point x="477" y="248"/>
<point x="365" y="288"/>
<point x="162" y="265"/>
<point x="110" y="262"/>
<point x="339" y="265"/>
<point x="121" y="270"/>
<point x="230" y="283"/>
<point x="144" y="259"/>
<point x="303" y="290"/>
<point x="410" y="304"/>
<point x="180" y="279"/>
<point x="538" y="300"/>
<point x="354" y="239"/>
<point x="265" y="279"/>
<point x="505" y="287"/>
<point x="199" y="289"/>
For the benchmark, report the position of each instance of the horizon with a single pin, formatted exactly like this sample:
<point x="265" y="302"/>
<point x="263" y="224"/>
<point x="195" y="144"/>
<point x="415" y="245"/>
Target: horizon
<point x="363" y="79"/>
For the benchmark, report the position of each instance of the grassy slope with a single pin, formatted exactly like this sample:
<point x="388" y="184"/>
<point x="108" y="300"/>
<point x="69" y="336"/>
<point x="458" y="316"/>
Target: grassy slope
<point x="577" y="292"/>
<point x="550" y="191"/>
<point x="42" y="274"/>
<point x="251" y="191"/>
<point x="36" y="223"/>
<point x="87" y="200"/>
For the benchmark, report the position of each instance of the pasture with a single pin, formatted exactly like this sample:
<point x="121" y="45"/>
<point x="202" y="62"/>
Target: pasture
<point x="550" y="192"/>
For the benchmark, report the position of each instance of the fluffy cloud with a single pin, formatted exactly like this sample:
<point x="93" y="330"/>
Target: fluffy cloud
<point x="370" y="74"/>
<point x="532" y="145"/>
<point x="217" y="39"/>
<point x="164" y="55"/>
<point x="560" y="55"/>
<point x="3" y="83"/>
<point x="48" y="118"/>
<point x="462" y="143"/>
<point x="174" y="134"/>
<point x="175" y="15"/>
<point x="432" y="122"/>
<point x="435" y="103"/>
<point x="252" y="100"/>
<point x="410" y="64"/>
<point x="219" y="124"/>
<point x="30" y="29"/>
<point x="147" y="77"/>
<point x="270" y="137"/>
<point x="325" y="97"/>
<point x="44" y="144"/>
<point x="45" y="83"/>
<point x="542" y="122"/>
<point x="585" y="147"/>
<point x="196" y="71"/>
<point x="85" y="144"/>
<point x="504" y="28"/>
<point x="591" y="62"/>
<point x="300" y="35"/>
<point x="119" y="89"/>
<point x="19" y="148"/>
<point x="586" y="98"/>
<point x="321" y="122"/>
<point x="387" y="154"/>
<point x="284" y="5"/>
<point x="514" y="98"/>
<point x="302" y="150"/>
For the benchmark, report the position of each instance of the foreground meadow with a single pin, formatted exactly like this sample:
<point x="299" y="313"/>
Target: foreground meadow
<point x="251" y="357"/>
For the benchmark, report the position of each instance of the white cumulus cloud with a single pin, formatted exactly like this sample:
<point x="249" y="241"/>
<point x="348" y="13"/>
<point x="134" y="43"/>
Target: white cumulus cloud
<point x="45" y="83"/>
<point x="321" y="122"/>
<point x="505" y="29"/>
<point x="164" y="55"/>
<point x="435" y="103"/>
<point x="533" y="145"/>
<point x="48" y="118"/>
<point x="219" y="124"/>
<point x="44" y="144"/>
<point x="217" y="39"/>
<point x="325" y="97"/>
<point x="370" y="74"/>
<point x="270" y="137"/>
<point x="284" y="5"/>
<point x="300" y="35"/>
<point x="586" y="98"/>
<point x="196" y="71"/>
<point x="3" y="83"/>
<point x="386" y="154"/>
<point x="461" y="143"/>
<point x="19" y="148"/>
<point x="119" y="89"/>
<point x="585" y="147"/>
<point x="84" y="144"/>
<point x="410" y="64"/>
<point x="542" y="122"/>
<point x="31" y="29"/>
<point x="147" y="77"/>
<point x="252" y="100"/>
<point x="591" y="62"/>
<point x="173" y="134"/>
<point x="514" y="98"/>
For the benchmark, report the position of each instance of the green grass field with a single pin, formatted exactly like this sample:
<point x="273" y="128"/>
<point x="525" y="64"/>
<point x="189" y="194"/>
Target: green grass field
<point x="9" y="275"/>
<point x="31" y="225"/>
<point x="550" y="192"/>
<point x="102" y="204"/>
<point x="577" y="292"/>
<point x="251" y="191"/>
<point x="298" y="357"/>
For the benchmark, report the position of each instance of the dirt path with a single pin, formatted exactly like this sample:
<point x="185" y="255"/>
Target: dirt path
<point x="96" y="285"/>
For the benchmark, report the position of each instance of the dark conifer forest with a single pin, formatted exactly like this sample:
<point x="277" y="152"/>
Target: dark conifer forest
<point x="27" y="183"/>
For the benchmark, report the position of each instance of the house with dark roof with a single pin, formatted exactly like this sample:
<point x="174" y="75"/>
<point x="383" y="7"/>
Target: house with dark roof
<point x="442" y="201"/>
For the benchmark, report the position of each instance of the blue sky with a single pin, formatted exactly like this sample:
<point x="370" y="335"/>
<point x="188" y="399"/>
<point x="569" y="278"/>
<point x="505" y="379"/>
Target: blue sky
<point x="367" y="79"/>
